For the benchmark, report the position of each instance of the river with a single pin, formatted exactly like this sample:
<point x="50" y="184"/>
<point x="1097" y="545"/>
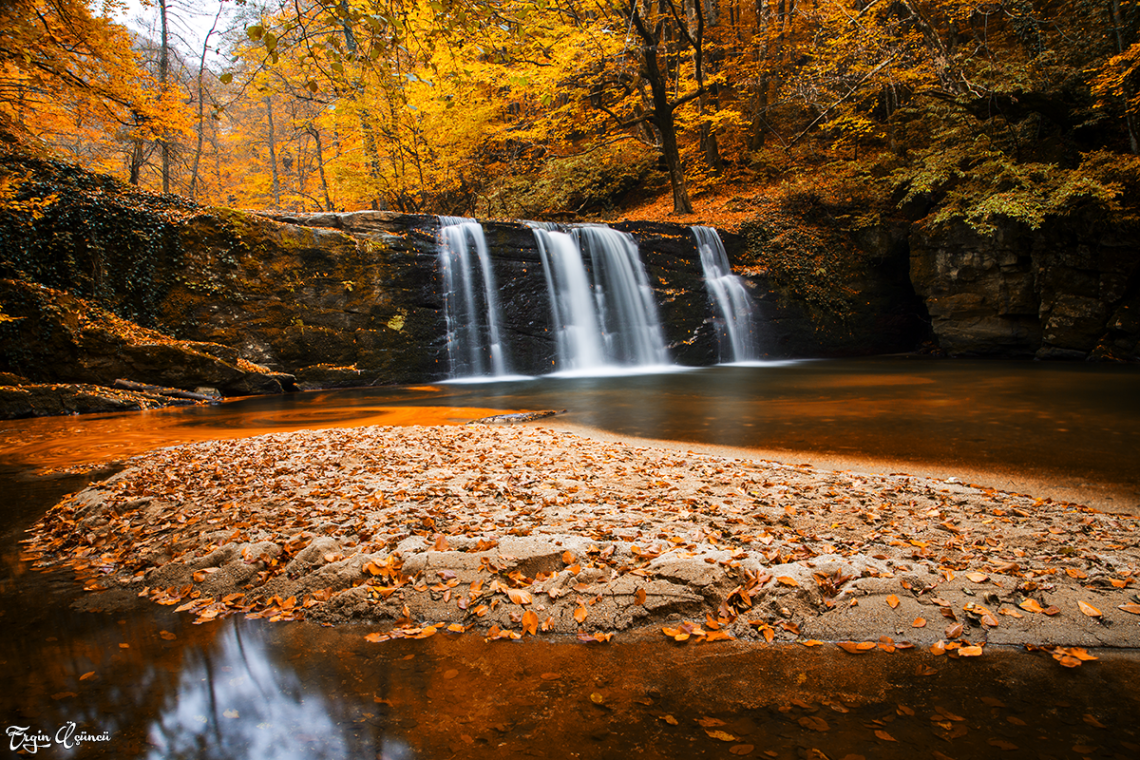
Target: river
<point x="151" y="684"/>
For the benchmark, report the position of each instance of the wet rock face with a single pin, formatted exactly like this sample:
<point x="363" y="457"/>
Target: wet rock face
<point x="404" y="247"/>
<point x="55" y="337"/>
<point x="1052" y="293"/>
<point x="357" y="291"/>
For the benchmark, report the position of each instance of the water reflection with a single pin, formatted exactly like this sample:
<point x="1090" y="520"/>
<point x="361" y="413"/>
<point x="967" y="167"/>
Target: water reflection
<point x="1075" y="424"/>
<point x="160" y="687"/>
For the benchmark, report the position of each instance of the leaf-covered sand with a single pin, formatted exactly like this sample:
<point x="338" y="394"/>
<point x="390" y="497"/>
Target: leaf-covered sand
<point x="524" y="530"/>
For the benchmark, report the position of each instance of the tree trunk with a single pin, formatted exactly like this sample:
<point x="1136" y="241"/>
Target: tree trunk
<point x="202" y="106"/>
<point x="320" y="165"/>
<point x="163" y="77"/>
<point x="1129" y="118"/>
<point x="662" y="116"/>
<point x="273" y="155"/>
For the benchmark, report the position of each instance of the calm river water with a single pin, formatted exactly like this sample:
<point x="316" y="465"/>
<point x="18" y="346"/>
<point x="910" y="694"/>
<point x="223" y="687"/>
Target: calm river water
<point x="151" y="684"/>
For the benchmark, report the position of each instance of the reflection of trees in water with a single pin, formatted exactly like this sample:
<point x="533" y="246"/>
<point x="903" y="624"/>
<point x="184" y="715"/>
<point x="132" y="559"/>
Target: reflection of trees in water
<point x="234" y="701"/>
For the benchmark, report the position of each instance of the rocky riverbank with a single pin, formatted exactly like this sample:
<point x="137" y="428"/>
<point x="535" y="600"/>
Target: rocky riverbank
<point x="524" y="530"/>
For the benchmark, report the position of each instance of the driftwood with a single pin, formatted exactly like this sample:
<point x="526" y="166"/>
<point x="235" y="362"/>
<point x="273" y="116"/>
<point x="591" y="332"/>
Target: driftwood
<point x="511" y="419"/>
<point x="130" y="385"/>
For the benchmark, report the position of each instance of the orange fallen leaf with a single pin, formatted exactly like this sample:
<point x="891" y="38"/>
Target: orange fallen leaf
<point x="530" y="622"/>
<point x="884" y="736"/>
<point x="580" y="614"/>
<point x="814" y="723"/>
<point x="918" y="623"/>
<point x="519" y="596"/>
<point x="893" y="601"/>
<point x="970" y="651"/>
<point x="1031" y="605"/>
<point x="856" y="648"/>
<point x="1130" y="607"/>
<point x="640" y="596"/>
<point x="1073" y="572"/>
<point x="1002" y="744"/>
<point x="1088" y="609"/>
<point x="787" y="580"/>
<point x="723" y="736"/>
<point x="812" y="643"/>
<point x="87" y="675"/>
<point x="977" y="577"/>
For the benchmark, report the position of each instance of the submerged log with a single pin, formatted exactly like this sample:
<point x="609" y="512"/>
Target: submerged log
<point x="512" y="419"/>
<point x="130" y="385"/>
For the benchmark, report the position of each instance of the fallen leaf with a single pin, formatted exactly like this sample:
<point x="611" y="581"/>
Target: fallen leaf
<point x="918" y="623"/>
<point x="1088" y="609"/>
<point x="787" y="580"/>
<point x="1031" y="605"/>
<point x="856" y="648"/>
<point x="883" y="735"/>
<point x="741" y="749"/>
<point x="970" y="651"/>
<point x="814" y="723"/>
<point x="640" y="596"/>
<point x="580" y="614"/>
<point x="1130" y="607"/>
<point x="893" y="601"/>
<point x="670" y="720"/>
<point x="519" y="596"/>
<point x="1002" y="744"/>
<point x="723" y="736"/>
<point x="977" y="577"/>
<point x="709" y="722"/>
<point x="530" y="622"/>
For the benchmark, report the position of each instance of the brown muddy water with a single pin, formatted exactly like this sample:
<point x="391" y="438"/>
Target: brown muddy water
<point x="151" y="684"/>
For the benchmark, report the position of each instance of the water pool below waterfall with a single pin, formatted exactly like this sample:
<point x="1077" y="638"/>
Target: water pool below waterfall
<point x="237" y="689"/>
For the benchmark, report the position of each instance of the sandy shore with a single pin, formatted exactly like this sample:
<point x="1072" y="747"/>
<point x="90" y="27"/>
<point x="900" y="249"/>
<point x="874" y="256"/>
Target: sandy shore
<point x="513" y="531"/>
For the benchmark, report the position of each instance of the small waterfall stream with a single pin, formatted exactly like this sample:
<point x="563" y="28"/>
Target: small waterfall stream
<point x="577" y="333"/>
<point x="609" y="321"/>
<point x="627" y="309"/>
<point x="603" y="309"/>
<point x="474" y="343"/>
<point x="735" y="313"/>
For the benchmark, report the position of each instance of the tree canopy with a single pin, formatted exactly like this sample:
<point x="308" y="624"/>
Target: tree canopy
<point x="956" y="109"/>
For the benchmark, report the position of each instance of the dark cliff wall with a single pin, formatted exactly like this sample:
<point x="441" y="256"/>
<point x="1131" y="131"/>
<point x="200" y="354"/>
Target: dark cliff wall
<point x="1060" y="292"/>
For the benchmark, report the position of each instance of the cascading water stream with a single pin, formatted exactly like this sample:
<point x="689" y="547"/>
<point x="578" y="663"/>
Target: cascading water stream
<point x="611" y="321"/>
<point x="735" y="312"/>
<point x="627" y="308"/>
<point x="577" y="334"/>
<point x="474" y="344"/>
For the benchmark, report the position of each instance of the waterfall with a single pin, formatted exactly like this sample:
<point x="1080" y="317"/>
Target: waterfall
<point x="627" y="309"/>
<point x="735" y="319"/>
<point x="474" y="345"/>
<point x="609" y="321"/>
<point x="577" y="333"/>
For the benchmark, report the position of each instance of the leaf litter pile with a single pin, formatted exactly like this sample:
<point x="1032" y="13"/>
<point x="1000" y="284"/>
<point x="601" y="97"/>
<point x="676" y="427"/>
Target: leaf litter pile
<point x="525" y="531"/>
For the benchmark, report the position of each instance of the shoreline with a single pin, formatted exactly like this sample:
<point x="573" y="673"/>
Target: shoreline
<point x="1115" y="499"/>
<point x="523" y="530"/>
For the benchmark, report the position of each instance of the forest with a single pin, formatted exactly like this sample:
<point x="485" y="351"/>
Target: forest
<point x="948" y="110"/>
